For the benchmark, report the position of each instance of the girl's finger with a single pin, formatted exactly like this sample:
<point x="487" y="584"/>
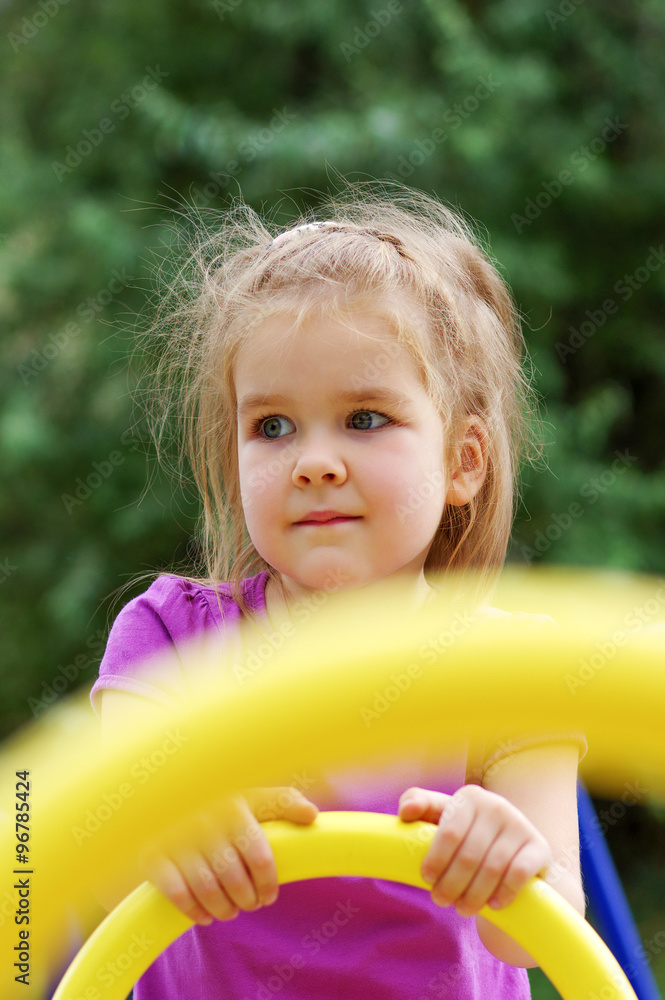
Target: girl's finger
<point x="206" y="886"/>
<point x="236" y="881"/>
<point x="456" y="820"/>
<point x="457" y="875"/>
<point x="167" y="876"/>
<point x="490" y="873"/>
<point x="534" y="858"/>
<point x="281" y="803"/>
<point x="422" y="804"/>
<point x="252" y="843"/>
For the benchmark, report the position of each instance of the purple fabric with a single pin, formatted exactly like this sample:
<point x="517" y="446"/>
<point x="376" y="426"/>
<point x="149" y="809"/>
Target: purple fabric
<point x="325" y="938"/>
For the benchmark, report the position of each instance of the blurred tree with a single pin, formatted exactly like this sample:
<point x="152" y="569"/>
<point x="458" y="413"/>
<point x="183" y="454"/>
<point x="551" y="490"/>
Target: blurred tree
<point x="545" y="123"/>
<point x="544" y="120"/>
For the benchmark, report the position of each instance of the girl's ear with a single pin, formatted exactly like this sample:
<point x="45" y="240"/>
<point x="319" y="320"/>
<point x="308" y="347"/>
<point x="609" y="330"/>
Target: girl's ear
<point x="470" y="462"/>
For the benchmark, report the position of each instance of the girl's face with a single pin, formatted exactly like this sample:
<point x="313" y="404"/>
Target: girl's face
<point x="334" y="418"/>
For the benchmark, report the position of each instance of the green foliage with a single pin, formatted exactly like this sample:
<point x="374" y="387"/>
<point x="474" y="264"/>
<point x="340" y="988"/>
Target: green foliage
<point x="544" y="122"/>
<point x="110" y="114"/>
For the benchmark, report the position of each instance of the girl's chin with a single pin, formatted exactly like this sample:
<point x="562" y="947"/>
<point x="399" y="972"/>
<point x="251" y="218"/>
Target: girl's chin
<point x="333" y="579"/>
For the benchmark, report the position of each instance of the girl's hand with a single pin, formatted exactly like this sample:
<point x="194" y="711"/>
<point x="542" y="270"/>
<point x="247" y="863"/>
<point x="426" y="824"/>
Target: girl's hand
<point x="219" y="874"/>
<point x="484" y="850"/>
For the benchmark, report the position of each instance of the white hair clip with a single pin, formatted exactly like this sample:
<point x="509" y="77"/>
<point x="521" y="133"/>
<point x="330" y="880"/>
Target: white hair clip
<point x="340" y="227"/>
<point x="283" y="237"/>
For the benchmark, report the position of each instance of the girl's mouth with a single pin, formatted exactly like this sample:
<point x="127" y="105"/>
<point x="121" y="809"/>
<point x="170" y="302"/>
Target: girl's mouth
<point x="327" y="516"/>
<point x="332" y="520"/>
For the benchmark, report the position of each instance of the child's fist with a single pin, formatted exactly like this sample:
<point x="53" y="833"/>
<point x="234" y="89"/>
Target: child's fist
<point x="228" y="864"/>
<point x="484" y="850"/>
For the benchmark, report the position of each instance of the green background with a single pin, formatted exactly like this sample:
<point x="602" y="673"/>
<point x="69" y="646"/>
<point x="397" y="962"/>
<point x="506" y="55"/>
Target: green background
<point x="545" y="123"/>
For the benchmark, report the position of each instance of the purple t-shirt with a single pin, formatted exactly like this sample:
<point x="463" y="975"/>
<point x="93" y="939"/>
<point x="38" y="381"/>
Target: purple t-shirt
<point x="327" y="938"/>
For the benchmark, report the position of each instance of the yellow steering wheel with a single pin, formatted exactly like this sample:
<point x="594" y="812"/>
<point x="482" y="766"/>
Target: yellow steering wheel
<point x="565" y="946"/>
<point x="360" y="679"/>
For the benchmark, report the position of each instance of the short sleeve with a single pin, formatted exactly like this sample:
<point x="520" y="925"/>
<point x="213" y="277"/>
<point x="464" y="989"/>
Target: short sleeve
<point x="485" y="753"/>
<point x="497" y="749"/>
<point x="142" y="651"/>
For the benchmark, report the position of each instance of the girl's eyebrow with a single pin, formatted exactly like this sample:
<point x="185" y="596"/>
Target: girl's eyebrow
<point x="257" y="400"/>
<point x="363" y="394"/>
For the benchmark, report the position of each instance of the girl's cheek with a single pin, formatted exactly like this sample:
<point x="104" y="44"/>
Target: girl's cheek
<point x="256" y="485"/>
<point x="252" y="490"/>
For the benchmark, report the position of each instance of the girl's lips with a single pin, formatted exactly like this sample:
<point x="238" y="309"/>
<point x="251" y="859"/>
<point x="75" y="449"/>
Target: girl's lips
<point x="332" y="520"/>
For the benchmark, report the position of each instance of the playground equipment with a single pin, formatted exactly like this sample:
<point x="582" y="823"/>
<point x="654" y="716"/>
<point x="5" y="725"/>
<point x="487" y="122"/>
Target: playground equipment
<point x="352" y="683"/>
<point x="608" y="903"/>
<point x="377" y="846"/>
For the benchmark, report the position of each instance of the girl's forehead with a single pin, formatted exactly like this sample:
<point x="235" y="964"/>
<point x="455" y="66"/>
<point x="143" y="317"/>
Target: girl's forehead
<point x="351" y="361"/>
<point x="352" y="331"/>
<point x="341" y="353"/>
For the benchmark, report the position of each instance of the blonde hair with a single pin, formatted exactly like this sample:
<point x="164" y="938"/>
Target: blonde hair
<point x="410" y="259"/>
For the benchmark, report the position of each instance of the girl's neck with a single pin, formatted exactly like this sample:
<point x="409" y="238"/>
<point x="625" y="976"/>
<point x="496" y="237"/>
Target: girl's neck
<point x="277" y="602"/>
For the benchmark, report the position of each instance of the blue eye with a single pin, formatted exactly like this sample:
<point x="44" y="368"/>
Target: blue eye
<point x="269" y="426"/>
<point x="365" y="421"/>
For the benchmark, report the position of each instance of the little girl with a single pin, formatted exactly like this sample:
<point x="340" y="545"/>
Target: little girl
<point x="354" y="409"/>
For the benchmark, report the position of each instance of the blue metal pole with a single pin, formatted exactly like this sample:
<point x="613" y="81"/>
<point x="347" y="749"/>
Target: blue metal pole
<point x="608" y="901"/>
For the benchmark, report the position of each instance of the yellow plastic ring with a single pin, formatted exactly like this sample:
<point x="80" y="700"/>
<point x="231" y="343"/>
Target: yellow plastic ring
<point x="375" y="846"/>
<point x="360" y="678"/>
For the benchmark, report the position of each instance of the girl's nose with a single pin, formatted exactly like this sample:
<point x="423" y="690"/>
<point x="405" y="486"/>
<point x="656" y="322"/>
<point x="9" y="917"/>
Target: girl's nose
<point x="319" y="461"/>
